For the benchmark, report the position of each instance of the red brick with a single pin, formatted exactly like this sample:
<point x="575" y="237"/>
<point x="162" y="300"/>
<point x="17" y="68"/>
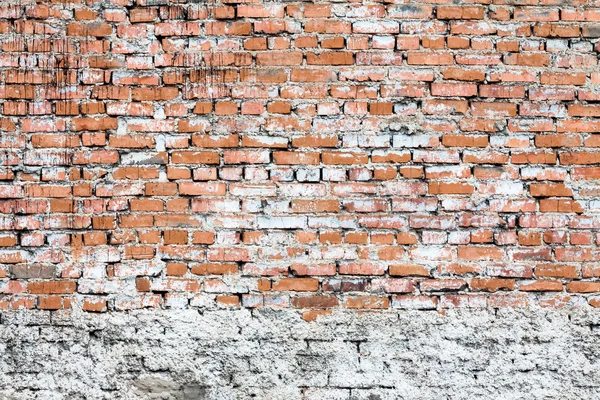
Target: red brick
<point x="350" y="152"/>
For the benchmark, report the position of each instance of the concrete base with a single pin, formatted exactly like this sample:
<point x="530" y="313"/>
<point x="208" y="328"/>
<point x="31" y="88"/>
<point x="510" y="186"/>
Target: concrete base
<point x="274" y="354"/>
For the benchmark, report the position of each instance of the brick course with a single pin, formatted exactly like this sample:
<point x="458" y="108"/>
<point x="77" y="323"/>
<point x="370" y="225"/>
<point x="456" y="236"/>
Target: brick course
<point x="295" y="154"/>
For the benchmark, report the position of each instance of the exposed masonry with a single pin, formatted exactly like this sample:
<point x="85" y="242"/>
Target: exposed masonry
<point x="273" y="354"/>
<point x="307" y="155"/>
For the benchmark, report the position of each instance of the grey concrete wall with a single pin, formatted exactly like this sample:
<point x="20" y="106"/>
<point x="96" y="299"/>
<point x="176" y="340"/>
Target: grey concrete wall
<point x="274" y="354"/>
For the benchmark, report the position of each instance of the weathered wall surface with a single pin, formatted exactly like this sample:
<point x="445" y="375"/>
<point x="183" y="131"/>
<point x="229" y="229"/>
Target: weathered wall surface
<point x="299" y="199"/>
<point x="309" y="155"/>
<point x="274" y="354"/>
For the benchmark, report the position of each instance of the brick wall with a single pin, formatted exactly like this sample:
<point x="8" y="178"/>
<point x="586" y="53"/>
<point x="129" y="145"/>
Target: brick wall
<point x="310" y="155"/>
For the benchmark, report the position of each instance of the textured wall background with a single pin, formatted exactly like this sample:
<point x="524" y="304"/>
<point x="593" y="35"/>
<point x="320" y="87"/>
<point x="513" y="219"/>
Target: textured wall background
<point x="329" y="199"/>
<point x="298" y="154"/>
